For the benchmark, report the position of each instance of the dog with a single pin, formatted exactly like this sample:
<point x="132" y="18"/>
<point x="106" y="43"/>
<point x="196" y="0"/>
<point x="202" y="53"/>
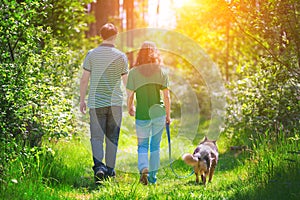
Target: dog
<point x="204" y="159"/>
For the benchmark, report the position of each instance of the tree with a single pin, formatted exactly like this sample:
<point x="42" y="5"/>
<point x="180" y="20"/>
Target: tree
<point x="268" y="94"/>
<point x="103" y="11"/>
<point x="259" y="44"/>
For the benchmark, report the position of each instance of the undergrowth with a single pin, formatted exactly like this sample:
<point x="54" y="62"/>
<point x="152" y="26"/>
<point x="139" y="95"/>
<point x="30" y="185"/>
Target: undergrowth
<point x="269" y="169"/>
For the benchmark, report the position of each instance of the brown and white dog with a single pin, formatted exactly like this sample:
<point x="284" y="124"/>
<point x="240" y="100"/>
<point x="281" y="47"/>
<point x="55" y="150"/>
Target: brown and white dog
<point x="204" y="159"/>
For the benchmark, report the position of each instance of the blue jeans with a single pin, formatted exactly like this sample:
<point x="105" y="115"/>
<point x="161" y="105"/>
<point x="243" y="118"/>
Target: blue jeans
<point x="106" y="122"/>
<point x="149" y="135"/>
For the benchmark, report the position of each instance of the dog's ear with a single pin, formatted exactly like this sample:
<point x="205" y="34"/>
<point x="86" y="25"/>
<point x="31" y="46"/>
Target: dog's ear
<point x="196" y="150"/>
<point x="206" y="139"/>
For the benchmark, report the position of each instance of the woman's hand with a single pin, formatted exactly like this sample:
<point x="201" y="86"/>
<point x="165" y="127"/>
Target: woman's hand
<point x="168" y="119"/>
<point x="130" y="105"/>
<point x="131" y="111"/>
<point x="167" y="102"/>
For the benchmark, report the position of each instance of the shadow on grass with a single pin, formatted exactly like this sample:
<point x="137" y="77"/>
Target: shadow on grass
<point x="230" y="160"/>
<point x="272" y="175"/>
<point x="88" y="182"/>
<point x="283" y="184"/>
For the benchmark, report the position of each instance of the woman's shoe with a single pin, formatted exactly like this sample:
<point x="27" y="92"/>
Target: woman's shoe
<point x="144" y="176"/>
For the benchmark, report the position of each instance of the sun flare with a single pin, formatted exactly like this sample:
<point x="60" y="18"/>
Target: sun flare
<point x="180" y="3"/>
<point x="162" y="13"/>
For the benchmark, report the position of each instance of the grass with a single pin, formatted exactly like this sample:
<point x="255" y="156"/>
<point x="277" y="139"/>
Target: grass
<point x="270" y="170"/>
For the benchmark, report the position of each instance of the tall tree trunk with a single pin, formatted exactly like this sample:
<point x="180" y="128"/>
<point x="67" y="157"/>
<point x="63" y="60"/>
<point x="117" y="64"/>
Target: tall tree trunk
<point x="129" y="4"/>
<point x="104" y="11"/>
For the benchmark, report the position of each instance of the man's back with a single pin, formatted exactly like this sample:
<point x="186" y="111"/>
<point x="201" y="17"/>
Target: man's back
<point x="106" y="64"/>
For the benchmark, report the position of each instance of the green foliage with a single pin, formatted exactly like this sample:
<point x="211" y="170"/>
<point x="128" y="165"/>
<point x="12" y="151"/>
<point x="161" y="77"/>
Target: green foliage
<point x="273" y="165"/>
<point x="270" y="170"/>
<point x="31" y="173"/>
<point x="265" y="100"/>
<point x="39" y="47"/>
<point x="187" y="74"/>
<point x="257" y="43"/>
<point x="72" y="163"/>
<point x="267" y="96"/>
<point x="38" y="64"/>
<point x="273" y="25"/>
<point x="210" y="24"/>
<point x="25" y="171"/>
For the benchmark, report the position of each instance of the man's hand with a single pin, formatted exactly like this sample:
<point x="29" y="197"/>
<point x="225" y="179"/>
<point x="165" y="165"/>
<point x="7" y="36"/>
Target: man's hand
<point x="84" y="81"/>
<point x="83" y="107"/>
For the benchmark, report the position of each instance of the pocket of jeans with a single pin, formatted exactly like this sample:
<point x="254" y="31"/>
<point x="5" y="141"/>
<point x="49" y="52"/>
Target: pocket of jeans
<point x="159" y="121"/>
<point x="143" y="128"/>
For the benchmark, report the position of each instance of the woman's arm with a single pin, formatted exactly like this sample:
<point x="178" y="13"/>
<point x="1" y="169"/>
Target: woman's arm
<point x="167" y="102"/>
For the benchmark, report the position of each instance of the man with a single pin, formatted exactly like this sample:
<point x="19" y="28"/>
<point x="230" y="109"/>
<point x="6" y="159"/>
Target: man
<point x="104" y="67"/>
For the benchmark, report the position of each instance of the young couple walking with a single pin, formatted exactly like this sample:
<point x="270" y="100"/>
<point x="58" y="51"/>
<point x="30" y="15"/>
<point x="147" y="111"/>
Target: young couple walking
<point x="103" y="69"/>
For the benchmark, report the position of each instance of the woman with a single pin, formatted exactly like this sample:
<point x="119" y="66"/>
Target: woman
<point x="146" y="80"/>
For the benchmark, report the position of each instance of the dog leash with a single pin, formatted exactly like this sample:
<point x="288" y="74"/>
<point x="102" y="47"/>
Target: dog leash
<point x="170" y="154"/>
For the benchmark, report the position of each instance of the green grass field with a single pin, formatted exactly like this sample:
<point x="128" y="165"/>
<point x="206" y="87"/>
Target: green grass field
<point x="63" y="171"/>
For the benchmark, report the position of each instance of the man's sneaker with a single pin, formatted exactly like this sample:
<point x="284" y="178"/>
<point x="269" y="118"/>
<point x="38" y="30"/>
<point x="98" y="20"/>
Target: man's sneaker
<point x="111" y="173"/>
<point x="144" y="176"/>
<point x="100" y="174"/>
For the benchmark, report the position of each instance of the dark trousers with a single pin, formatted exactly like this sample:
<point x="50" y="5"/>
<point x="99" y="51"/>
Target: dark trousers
<point x="105" y="124"/>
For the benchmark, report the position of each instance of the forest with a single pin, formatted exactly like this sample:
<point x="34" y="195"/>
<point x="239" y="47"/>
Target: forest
<point x="234" y="68"/>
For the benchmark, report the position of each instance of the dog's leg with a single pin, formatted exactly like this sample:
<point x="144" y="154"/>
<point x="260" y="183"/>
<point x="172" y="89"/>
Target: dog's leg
<point x="197" y="177"/>
<point x="211" y="172"/>
<point x="203" y="177"/>
<point x="196" y="171"/>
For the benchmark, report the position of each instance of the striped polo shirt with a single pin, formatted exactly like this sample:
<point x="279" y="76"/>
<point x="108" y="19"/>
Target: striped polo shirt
<point x="106" y="64"/>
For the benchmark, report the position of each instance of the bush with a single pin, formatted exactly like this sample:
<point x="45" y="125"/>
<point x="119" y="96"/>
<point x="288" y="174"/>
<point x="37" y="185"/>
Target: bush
<point x="267" y="100"/>
<point x="39" y="56"/>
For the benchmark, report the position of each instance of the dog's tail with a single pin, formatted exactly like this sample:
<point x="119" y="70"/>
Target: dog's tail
<point x="190" y="159"/>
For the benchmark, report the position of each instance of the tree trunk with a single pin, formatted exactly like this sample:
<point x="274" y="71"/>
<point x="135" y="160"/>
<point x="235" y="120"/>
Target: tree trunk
<point x="104" y="11"/>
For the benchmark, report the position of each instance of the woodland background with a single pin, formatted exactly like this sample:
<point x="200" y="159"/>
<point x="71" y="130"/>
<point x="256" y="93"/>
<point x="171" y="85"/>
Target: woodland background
<point x="255" y="43"/>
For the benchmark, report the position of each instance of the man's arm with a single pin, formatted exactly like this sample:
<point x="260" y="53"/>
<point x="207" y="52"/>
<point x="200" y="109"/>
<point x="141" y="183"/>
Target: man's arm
<point x="167" y="102"/>
<point x="84" y="81"/>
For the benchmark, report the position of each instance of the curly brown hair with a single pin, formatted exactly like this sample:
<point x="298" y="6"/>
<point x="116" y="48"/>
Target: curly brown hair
<point x="148" y="58"/>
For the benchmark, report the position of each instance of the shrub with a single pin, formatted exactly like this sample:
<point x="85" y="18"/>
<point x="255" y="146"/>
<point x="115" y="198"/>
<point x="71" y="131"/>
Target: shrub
<point x="39" y="56"/>
<point x="267" y="100"/>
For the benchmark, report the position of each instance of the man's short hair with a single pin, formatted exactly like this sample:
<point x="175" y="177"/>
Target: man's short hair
<point x="108" y="30"/>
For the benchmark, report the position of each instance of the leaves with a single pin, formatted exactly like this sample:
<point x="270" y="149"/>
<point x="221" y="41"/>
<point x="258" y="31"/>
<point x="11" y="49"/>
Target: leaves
<point x="257" y="43"/>
<point x="38" y="45"/>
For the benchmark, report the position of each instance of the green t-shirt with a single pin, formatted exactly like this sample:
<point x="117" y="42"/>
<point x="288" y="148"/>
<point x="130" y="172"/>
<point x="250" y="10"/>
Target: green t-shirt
<point x="147" y="87"/>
